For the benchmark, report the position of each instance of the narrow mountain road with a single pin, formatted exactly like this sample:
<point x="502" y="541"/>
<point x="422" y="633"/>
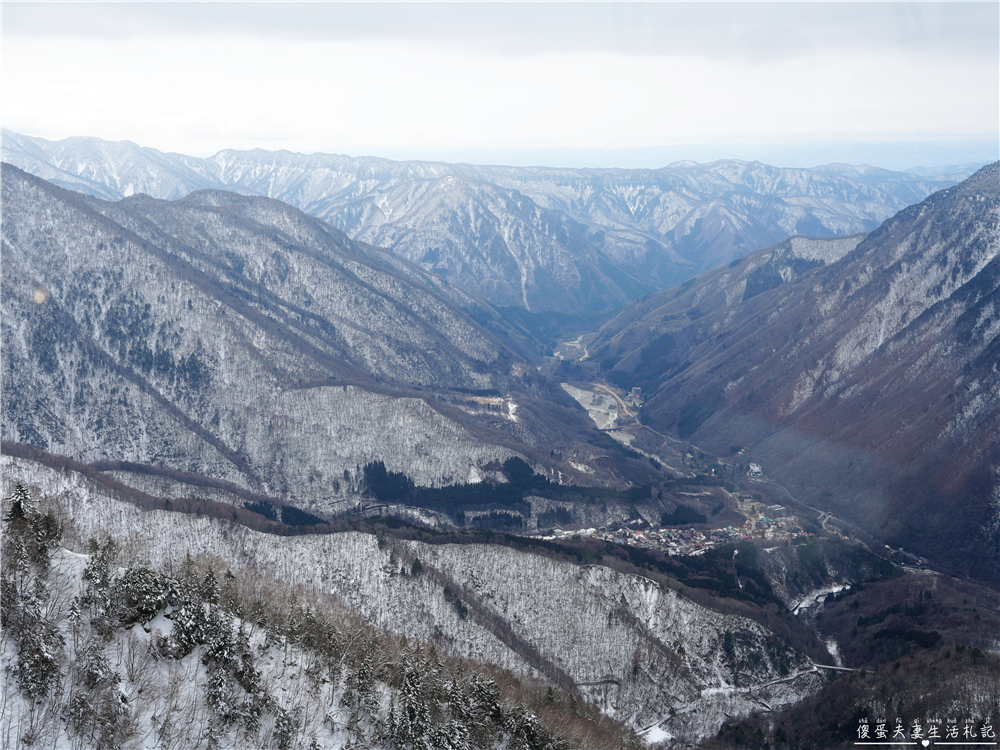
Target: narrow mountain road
<point x="697" y="705"/>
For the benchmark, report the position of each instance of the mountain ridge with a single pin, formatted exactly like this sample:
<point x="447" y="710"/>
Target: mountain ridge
<point x="569" y="240"/>
<point x="129" y="328"/>
<point x="901" y="326"/>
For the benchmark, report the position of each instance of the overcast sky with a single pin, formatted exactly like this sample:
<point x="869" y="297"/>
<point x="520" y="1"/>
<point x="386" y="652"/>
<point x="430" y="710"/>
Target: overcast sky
<point x="588" y="83"/>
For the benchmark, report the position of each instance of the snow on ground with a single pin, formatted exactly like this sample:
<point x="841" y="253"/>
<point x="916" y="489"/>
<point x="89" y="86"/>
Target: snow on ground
<point x="831" y="646"/>
<point x="601" y="407"/>
<point x="654" y="734"/>
<point x="813" y="597"/>
<point x="586" y="622"/>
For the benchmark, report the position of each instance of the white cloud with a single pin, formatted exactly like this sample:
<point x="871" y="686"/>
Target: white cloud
<point x="429" y="87"/>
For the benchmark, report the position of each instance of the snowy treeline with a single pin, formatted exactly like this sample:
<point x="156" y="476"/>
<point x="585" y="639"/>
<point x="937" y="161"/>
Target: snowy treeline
<point x="641" y="653"/>
<point x="101" y="650"/>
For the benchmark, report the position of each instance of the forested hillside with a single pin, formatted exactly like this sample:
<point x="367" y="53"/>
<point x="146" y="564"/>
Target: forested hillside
<point x="625" y="643"/>
<point x="104" y="649"/>
<point x="861" y="373"/>
<point x="236" y="345"/>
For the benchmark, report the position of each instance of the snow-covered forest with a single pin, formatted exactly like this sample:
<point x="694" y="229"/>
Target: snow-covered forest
<point x="547" y="239"/>
<point x="238" y="339"/>
<point x="103" y="648"/>
<point x="643" y="655"/>
<point x="260" y="480"/>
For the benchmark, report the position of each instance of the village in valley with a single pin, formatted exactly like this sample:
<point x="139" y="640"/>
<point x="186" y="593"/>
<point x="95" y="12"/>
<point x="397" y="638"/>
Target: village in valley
<point x="766" y="522"/>
<point x="615" y="412"/>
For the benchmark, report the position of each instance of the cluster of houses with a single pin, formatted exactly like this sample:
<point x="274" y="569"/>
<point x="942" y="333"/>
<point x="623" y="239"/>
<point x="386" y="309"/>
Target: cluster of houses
<point x="697" y="541"/>
<point x="677" y="541"/>
<point x="763" y="521"/>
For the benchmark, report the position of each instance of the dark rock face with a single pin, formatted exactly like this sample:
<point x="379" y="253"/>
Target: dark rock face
<point x="868" y="383"/>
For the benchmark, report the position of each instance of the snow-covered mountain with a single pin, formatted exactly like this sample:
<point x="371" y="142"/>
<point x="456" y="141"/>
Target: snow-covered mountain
<point x="238" y="339"/>
<point x="861" y="373"/>
<point x="111" y="645"/>
<point x="328" y="640"/>
<point x="571" y="240"/>
<point x="223" y="350"/>
<point x="641" y="653"/>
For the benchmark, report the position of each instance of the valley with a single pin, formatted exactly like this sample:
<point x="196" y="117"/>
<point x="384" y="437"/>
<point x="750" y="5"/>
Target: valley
<point x="805" y="376"/>
<point x="677" y="516"/>
<point x="675" y="678"/>
<point x="499" y="376"/>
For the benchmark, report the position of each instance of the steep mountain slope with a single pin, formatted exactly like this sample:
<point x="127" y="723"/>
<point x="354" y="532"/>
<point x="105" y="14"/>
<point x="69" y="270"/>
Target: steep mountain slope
<point x="491" y="240"/>
<point x="238" y="339"/>
<point x="868" y="384"/>
<point x="104" y="648"/>
<point x="571" y="240"/>
<point x="643" y="654"/>
<point x="707" y="214"/>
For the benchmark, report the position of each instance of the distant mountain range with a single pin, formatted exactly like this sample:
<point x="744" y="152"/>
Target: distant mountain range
<point x="566" y="240"/>
<point x="862" y="373"/>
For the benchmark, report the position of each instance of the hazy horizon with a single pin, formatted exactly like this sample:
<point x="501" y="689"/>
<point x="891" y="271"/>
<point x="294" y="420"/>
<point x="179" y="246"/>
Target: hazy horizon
<point x="527" y="84"/>
<point x="896" y="157"/>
